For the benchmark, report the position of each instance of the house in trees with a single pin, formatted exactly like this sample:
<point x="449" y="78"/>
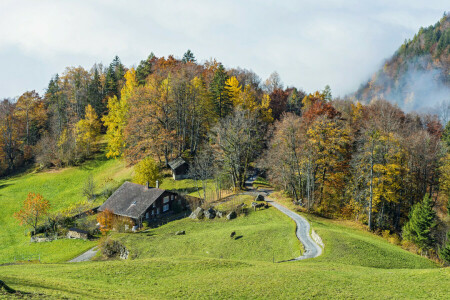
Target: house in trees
<point x="142" y="202"/>
<point x="179" y="168"/>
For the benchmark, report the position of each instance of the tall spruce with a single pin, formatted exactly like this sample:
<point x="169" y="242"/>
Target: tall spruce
<point x="219" y="94"/>
<point x="188" y="57"/>
<point x="419" y="228"/>
<point x="144" y="69"/>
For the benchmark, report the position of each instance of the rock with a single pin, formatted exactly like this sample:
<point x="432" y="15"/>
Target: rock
<point x="232" y="215"/>
<point x="210" y="213"/>
<point x="259" y="198"/>
<point x="219" y="214"/>
<point x="124" y="253"/>
<point x="181" y="232"/>
<point x="198" y="213"/>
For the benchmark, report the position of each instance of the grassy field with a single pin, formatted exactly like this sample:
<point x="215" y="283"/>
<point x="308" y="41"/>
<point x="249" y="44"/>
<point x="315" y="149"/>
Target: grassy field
<point x="206" y="262"/>
<point x="61" y="188"/>
<point x="259" y="236"/>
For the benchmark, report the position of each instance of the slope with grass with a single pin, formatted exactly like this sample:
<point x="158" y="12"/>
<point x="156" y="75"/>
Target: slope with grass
<point x="62" y="188"/>
<point x="355" y="264"/>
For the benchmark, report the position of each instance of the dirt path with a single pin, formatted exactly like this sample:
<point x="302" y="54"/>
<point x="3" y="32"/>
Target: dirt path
<point x="86" y="256"/>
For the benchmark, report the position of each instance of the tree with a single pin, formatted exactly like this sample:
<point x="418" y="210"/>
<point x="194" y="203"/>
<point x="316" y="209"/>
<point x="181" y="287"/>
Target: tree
<point x="88" y="130"/>
<point x="34" y="209"/>
<point x="116" y="119"/>
<point x="203" y="168"/>
<point x="188" y="57"/>
<point x="327" y="94"/>
<point x="237" y="140"/>
<point x="89" y="188"/>
<point x="144" y="69"/>
<point x="444" y="253"/>
<point x="219" y="94"/>
<point x="106" y="220"/>
<point x="147" y="171"/>
<point x="419" y="228"/>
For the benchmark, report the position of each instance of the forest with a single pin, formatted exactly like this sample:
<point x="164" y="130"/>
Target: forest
<point x="373" y="163"/>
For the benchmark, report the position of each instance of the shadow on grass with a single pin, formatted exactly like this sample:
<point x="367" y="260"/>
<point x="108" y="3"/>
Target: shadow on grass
<point x="5" y="185"/>
<point x="238" y="237"/>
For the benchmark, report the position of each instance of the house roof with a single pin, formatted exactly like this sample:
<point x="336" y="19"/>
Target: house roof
<point x="131" y="200"/>
<point x="176" y="163"/>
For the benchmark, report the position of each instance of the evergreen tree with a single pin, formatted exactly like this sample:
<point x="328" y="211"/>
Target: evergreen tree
<point x="219" y="94"/>
<point x="420" y="225"/>
<point x="144" y="69"/>
<point x="188" y="57"/>
<point x="327" y="93"/>
<point x="95" y="94"/>
<point x="444" y="253"/>
<point x="111" y="84"/>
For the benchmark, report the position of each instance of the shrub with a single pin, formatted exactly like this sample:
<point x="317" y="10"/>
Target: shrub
<point x="110" y="248"/>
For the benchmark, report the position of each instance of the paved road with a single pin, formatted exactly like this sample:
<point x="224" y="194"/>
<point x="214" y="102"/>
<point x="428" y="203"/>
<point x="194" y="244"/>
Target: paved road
<point x="86" y="256"/>
<point x="312" y="249"/>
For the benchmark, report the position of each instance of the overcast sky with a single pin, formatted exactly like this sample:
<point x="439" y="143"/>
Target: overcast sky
<point x="309" y="43"/>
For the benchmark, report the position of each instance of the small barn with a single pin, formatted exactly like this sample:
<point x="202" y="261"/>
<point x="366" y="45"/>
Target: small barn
<point x="179" y="168"/>
<point x="141" y="202"/>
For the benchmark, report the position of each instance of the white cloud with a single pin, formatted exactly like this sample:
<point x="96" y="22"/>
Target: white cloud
<point x="310" y="44"/>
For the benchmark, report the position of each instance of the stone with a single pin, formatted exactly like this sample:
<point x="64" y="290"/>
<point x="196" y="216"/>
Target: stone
<point x="219" y="214"/>
<point x="232" y="215"/>
<point x="210" y="213"/>
<point x="181" y="232"/>
<point x="198" y="213"/>
<point x="124" y="253"/>
<point x="259" y="198"/>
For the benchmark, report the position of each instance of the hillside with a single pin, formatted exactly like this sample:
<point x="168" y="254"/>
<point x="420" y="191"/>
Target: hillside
<point x="417" y="75"/>
<point x="206" y="264"/>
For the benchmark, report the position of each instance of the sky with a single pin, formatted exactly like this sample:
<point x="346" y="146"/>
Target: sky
<point x="310" y="43"/>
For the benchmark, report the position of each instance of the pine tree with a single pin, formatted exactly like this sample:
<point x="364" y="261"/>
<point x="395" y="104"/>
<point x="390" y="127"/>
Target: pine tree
<point x="444" y="253"/>
<point x="219" y="94"/>
<point x="95" y="94"/>
<point x="420" y="225"/>
<point x="188" y="57"/>
<point x="144" y="69"/>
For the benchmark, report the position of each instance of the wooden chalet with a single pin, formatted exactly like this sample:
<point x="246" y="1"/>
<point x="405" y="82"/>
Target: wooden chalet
<point x="179" y="168"/>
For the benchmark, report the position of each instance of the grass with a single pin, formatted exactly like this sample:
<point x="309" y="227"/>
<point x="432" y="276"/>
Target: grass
<point x="61" y="188"/>
<point x="259" y="236"/>
<point x="206" y="262"/>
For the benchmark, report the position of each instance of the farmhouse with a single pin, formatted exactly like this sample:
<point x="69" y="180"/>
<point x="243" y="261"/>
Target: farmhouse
<point x="179" y="168"/>
<point x="139" y="202"/>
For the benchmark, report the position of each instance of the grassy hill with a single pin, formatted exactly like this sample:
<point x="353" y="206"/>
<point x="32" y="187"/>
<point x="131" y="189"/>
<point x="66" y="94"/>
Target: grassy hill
<point x="206" y="263"/>
<point x="62" y="188"/>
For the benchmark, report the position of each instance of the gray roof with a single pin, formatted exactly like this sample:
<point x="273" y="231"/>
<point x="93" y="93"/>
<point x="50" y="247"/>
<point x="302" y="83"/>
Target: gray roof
<point x="176" y="163"/>
<point x="131" y="200"/>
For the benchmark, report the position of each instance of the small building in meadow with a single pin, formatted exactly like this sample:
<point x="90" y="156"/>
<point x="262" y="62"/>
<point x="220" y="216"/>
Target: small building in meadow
<point x="142" y="202"/>
<point x="180" y="168"/>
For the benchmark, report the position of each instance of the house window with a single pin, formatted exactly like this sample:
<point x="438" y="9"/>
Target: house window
<point x="157" y="211"/>
<point x="165" y="207"/>
<point x="153" y="212"/>
<point x="147" y="215"/>
<point x="166" y="199"/>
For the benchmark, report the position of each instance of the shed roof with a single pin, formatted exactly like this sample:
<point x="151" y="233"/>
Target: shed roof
<point x="131" y="200"/>
<point x="176" y="163"/>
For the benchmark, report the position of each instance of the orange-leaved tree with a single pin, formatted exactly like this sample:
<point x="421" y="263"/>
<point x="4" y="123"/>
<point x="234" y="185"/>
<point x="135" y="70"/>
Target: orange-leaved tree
<point x="34" y="209"/>
<point x="105" y="219"/>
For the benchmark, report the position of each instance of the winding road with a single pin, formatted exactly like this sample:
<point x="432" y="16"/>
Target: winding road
<point x="312" y="249"/>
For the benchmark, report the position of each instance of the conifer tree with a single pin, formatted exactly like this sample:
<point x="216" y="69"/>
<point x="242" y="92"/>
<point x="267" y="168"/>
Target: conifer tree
<point x="219" y="94"/>
<point x="144" y="69"/>
<point x="188" y="57"/>
<point x="420" y="225"/>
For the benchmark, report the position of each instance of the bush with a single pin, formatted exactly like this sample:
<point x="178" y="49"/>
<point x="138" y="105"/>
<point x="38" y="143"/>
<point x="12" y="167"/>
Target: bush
<point x="110" y="248"/>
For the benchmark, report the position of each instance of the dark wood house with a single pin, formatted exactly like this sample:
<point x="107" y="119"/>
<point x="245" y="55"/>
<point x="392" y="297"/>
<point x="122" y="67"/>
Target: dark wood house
<point x="139" y="202"/>
<point x="180" y="168"/>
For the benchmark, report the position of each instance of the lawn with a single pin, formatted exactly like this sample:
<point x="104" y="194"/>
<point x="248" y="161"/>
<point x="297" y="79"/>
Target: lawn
<point x="61" y="188"/>
<point x="263" y="235"/>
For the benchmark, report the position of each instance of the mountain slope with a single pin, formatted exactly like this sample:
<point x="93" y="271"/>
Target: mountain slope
<point x="418" y="74"/>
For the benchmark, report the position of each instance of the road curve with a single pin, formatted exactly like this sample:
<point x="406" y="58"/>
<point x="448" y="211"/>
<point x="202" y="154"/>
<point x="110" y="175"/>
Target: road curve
<point x="86" y="256"/>
<point x="312" y="249"/>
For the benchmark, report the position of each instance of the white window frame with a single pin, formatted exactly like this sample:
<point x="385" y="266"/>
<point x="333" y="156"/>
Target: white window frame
<point x="166" y="199"/>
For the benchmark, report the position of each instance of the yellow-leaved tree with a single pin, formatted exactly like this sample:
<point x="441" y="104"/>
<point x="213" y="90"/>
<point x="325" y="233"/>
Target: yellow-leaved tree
<point x="147" y="170"/>
<point x="115" y="120"/>
<point x="88" y="130"/>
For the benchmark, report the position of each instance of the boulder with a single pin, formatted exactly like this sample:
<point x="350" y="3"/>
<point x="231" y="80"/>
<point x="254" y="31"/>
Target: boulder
<point x="219" y="214"/>
<point x="232" y="215"/>
<point x="198" y="213"/>
<point x="259" y="198"/>
<point x="181" y="232"/>
<point x="210" y="213"/>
